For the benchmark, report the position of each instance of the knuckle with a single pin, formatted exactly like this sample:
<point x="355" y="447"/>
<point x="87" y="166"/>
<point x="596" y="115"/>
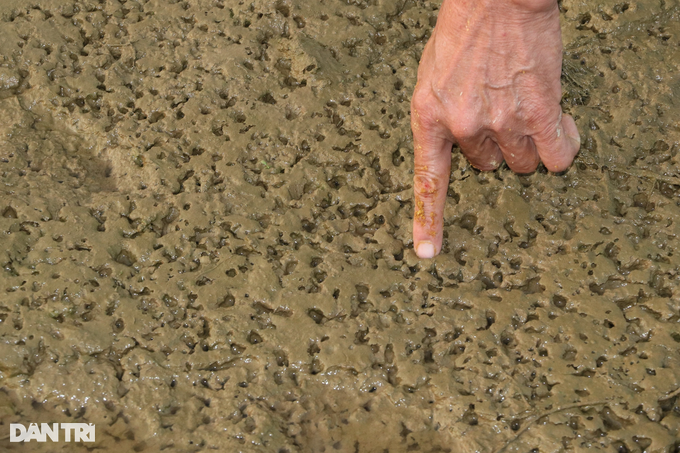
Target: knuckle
<point x="499" y="119"/>
<point x="422" y="109"/>
<point x="549" y="129"/>
<point x="540" y="120"/>
<point x="422" y="96"/>
<point x="417" y="102"/>
<point x="425" y="185"/>
<point x="465" y="127"/>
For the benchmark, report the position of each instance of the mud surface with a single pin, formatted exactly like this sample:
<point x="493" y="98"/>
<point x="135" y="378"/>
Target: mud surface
<point x="206" y="242"/>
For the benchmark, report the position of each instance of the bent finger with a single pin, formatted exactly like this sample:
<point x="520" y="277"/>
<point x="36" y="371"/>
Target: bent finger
<point x="483" y="152"/>
<point x="558" y="145"/>
<point x="520" y="153"/>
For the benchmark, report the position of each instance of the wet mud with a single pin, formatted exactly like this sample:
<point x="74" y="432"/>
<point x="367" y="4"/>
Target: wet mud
<point x="206" y="230"/>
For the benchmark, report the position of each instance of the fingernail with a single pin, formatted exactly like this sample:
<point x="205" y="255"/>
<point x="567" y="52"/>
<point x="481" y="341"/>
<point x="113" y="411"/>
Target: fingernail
<point x="425" y="250"/>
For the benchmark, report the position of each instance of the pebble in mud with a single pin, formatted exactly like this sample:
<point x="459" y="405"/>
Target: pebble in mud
<point x="126" y="257"/>
<point x="243" y="175"/>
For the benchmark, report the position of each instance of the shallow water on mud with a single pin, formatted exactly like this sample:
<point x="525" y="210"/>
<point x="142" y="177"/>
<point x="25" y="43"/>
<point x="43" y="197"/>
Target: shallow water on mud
<point x="206" y="211"/>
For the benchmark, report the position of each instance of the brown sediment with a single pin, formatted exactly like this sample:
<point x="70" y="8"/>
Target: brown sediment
<point x="419" y="213"/>
<point x="433" y="222"/>
<point x="205" y="220"/>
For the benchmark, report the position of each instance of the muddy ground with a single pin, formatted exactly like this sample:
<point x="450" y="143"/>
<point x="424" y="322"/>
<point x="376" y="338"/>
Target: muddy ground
<point x="206" y="237"/>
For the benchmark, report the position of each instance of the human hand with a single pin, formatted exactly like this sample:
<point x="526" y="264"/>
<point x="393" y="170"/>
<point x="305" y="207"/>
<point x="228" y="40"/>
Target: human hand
<point x="488" y="80"/>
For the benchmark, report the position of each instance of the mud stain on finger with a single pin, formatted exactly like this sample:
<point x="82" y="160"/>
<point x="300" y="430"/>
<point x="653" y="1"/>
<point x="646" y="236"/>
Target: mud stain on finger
<point x="419" y="213"/>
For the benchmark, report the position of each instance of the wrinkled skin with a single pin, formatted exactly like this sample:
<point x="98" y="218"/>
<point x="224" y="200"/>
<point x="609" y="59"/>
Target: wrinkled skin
<point x="489" y="81"/>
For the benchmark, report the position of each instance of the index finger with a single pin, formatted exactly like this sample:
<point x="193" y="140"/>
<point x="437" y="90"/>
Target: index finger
<point x="432" y="151"/>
